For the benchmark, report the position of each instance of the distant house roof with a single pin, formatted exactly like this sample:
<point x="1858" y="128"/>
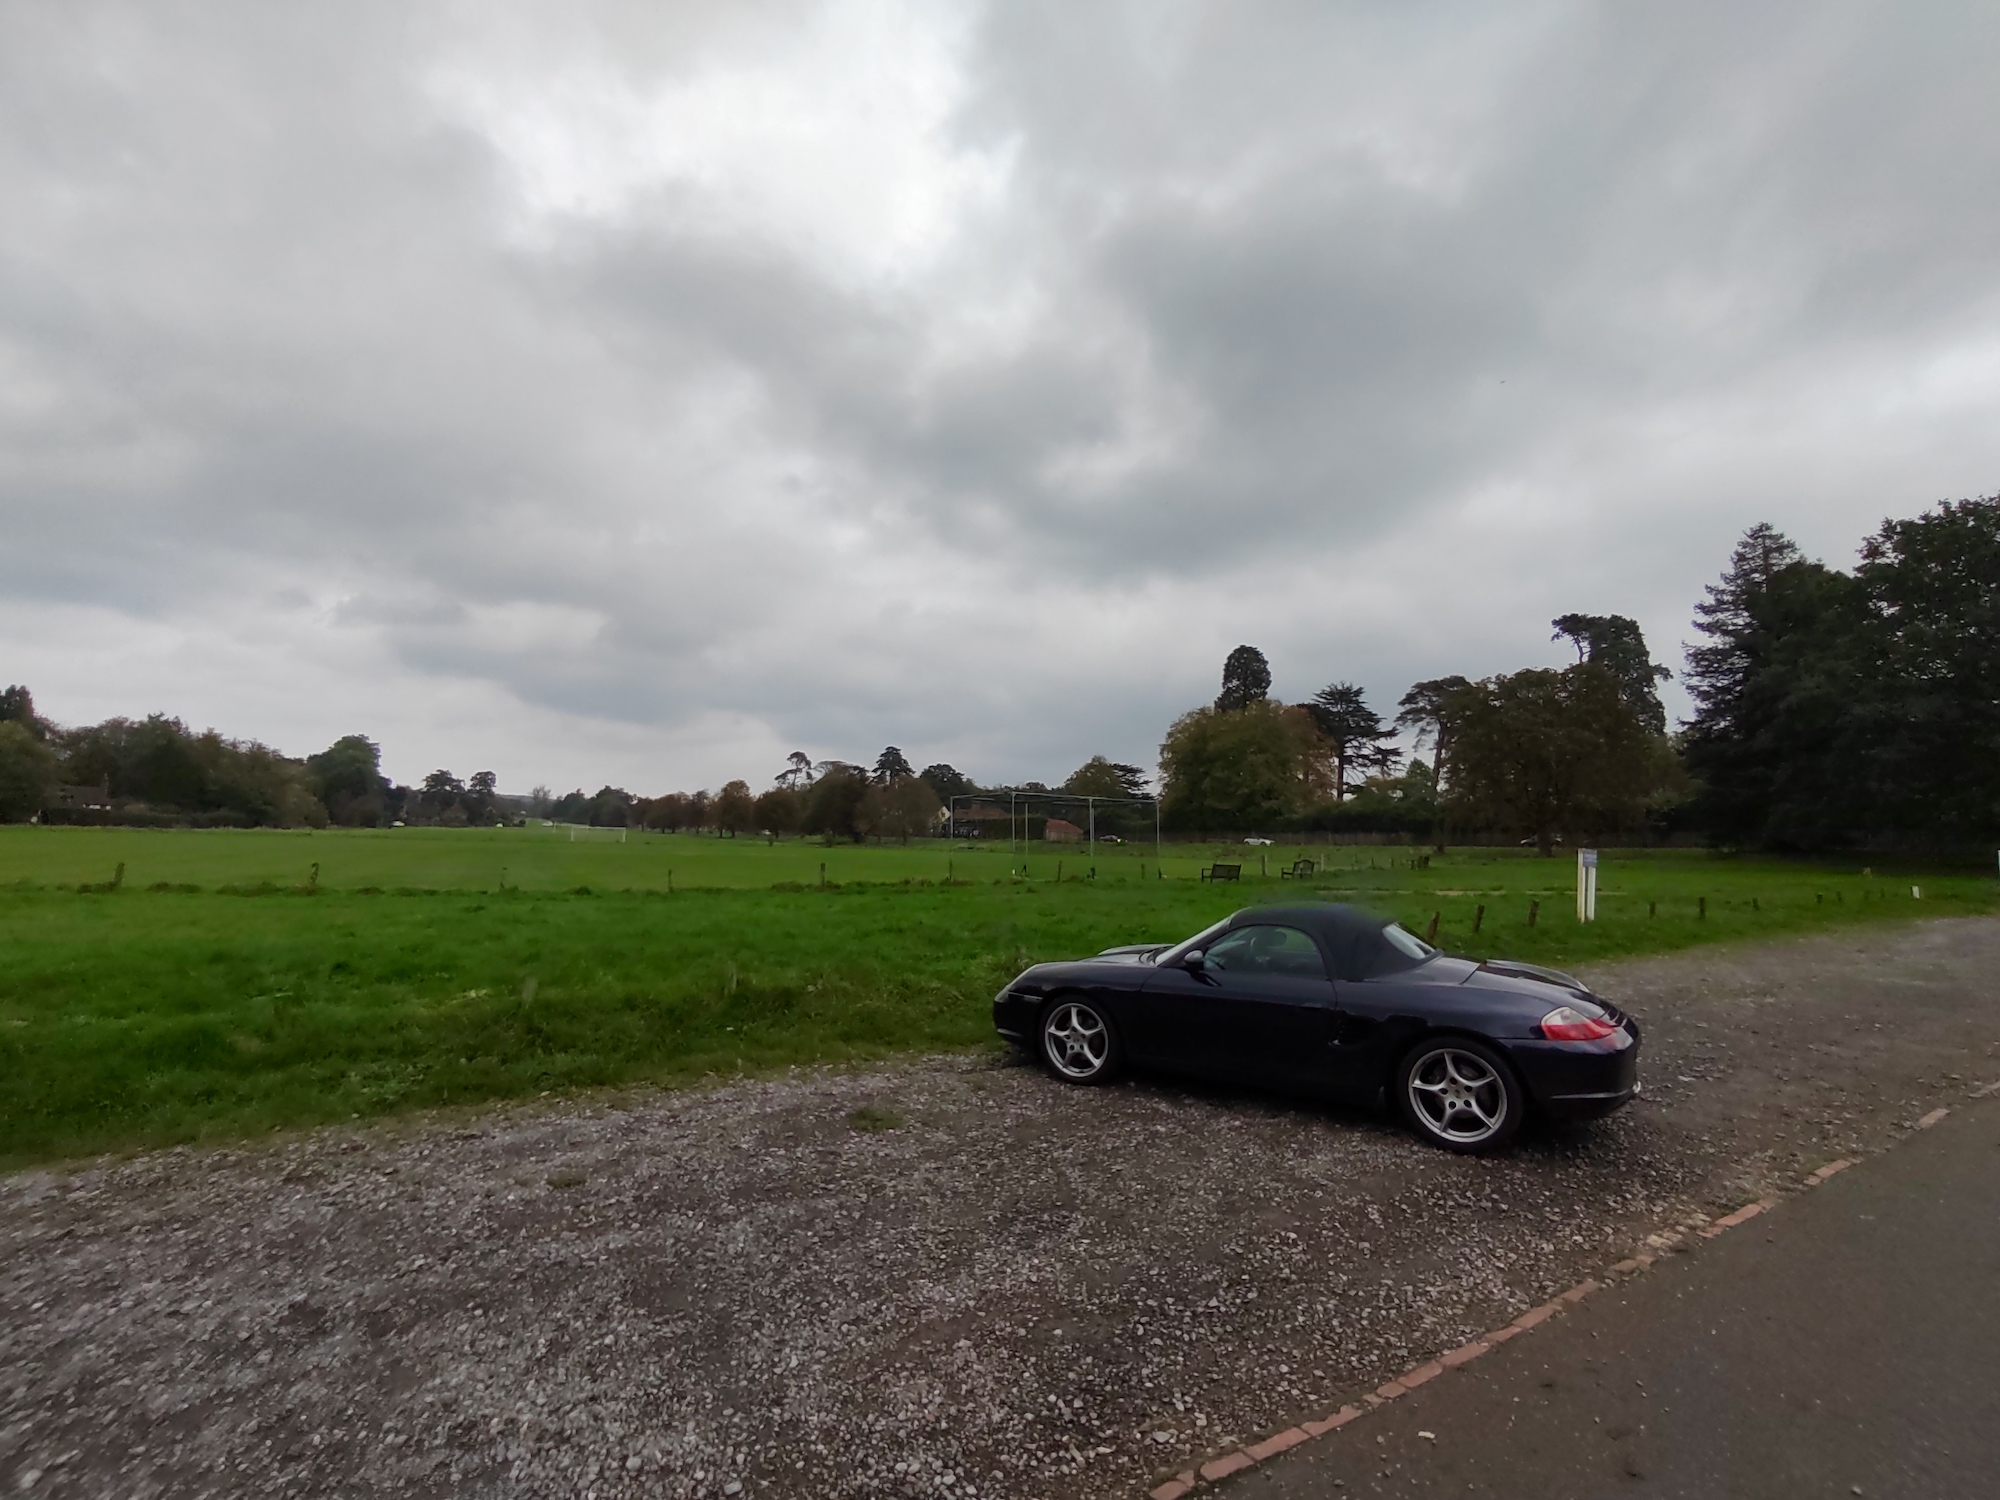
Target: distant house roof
<point x="1062" y="831"/>
<point x="981" y="812"/>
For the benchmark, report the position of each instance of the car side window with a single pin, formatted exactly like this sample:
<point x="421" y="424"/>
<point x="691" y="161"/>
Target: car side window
<point x="1389" y="951"/>
<point x="1266" y="948"/>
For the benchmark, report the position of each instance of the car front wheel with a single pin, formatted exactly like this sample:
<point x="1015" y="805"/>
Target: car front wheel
<point x="1078" y="1042"/>
<point x="1460" y="1094"/>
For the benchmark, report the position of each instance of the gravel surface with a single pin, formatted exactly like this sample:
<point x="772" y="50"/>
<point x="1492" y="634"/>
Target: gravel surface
<point x="949" y="1277"/>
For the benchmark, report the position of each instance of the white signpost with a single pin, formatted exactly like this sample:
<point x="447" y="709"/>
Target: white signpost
<point x="1586" y="885"/>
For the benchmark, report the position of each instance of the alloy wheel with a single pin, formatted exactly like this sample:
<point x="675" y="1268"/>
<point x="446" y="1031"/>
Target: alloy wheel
<point x="1076" y="1041"/>
<point x="1458" y="1096"/>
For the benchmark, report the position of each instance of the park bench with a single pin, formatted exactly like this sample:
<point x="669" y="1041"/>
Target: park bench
<point x="1302" y="869"/>
<point x="1223" y="872"/>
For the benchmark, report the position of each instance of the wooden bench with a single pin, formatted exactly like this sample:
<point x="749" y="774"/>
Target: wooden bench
<point x="1302" y="869"/>
<point x="1223" y="872"/>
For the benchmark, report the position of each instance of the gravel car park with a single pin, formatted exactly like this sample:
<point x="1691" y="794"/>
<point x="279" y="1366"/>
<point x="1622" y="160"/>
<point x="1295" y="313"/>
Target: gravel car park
<point x="950" y="1276"/>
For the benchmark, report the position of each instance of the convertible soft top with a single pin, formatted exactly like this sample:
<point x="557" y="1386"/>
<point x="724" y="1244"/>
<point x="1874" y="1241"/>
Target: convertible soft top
<point x="1329" y="921"/>
<point x="1351" y="936"/>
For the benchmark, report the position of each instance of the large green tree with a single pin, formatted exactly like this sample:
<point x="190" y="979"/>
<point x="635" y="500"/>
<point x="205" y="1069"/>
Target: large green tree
<point x="900" y="809"/>
<point x="1837" y="708"/>
<point x="735" y="809"/>
<point x="28" y="772"/>
<point x="481" y="790"/>
<point x="347" y="778"/>
<point x="891" y="764"/>
<point x="17" y="705"/>
<point x="1780" y="743"/>
<point x="1422" y="710"/>
<point x="1545" y="753"/>
<point x="1241" y="770"/>
<point x="1102" y="777"/>
<point x="1932" y="585"/>
<point x="1246" y="679"/>
<point x="1617" y="644"/>
<point x="947" y="781"/>
<point x="833" y="801"/>
<point x="441" y="795"/>
<point x="1360" y="741"/>
<point x="612" y="807"/>
<point x="668" y="814"/>
<point x="777" y="811"/>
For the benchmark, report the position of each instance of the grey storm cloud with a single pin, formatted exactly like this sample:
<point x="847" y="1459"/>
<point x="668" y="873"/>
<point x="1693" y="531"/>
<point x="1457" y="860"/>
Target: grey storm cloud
<point x="636" y="392"/>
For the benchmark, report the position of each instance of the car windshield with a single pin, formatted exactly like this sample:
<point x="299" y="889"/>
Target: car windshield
<point x="1408" y="943"/>
<point x="1200" y="940"/>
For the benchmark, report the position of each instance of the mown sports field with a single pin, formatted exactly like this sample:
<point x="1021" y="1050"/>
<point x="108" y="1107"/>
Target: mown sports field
<point x="234" y="982"/>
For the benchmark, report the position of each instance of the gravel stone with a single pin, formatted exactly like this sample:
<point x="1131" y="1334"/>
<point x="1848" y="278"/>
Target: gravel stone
<point x="1024" y="1289"/>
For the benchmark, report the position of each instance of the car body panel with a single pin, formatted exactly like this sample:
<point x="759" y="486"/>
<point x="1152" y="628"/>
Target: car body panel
<point x="1234" y="1026"/>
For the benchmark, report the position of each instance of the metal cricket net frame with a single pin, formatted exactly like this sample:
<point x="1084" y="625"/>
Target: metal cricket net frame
<point x="1021" y="807"/>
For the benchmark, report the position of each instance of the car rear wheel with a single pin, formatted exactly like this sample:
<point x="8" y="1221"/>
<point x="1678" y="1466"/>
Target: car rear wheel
<point x="1460" y="1094"/>
<point x="1078" y="1042"/>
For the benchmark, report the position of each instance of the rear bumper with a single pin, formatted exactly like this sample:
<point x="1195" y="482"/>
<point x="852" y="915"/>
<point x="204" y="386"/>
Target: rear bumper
<point x="1580" y="1080"/>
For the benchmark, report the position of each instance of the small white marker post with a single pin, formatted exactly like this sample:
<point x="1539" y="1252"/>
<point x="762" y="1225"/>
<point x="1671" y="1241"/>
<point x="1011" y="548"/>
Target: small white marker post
<point x="1586" y="885"/>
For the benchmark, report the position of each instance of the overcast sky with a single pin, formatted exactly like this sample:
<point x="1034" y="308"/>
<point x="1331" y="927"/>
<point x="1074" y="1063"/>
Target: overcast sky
<point x="635" y="393"/>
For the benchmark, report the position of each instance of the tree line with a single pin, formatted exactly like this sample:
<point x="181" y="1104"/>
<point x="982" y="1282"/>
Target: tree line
<point x="157" y="770"/>
<point x="1853" y="708"/>
<point x="1832" y="709"/>
<point x="835" y="800"/>
<point x="1539" y="752"/>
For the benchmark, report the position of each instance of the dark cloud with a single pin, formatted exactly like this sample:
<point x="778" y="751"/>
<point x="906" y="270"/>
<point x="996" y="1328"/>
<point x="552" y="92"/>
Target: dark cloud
<point x="638" y="393"/>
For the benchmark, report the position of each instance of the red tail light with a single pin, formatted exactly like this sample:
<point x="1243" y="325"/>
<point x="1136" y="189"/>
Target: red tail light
<point x="1567" y="1024"/>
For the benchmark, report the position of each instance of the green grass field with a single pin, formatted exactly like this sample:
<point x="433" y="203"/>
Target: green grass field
<point x="535" y="859"/>
<point x="221" y="991"/>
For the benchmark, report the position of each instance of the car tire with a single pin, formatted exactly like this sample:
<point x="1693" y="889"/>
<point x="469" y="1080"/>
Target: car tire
<point x="1460" y="1094"/>
<point x="1077" y="1041"/>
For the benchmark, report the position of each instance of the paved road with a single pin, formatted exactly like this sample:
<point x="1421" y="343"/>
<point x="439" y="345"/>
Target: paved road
<point x="1845" y="1343"/>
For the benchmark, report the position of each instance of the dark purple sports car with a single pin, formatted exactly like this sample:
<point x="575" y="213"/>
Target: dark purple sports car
<point x="1329" y="1000"/>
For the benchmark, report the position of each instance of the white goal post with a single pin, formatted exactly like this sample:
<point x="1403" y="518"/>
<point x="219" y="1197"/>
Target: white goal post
<point x="584" y="833"/>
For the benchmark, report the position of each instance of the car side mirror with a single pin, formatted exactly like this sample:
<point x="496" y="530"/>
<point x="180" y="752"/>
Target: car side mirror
<point x="1195" y="960"/>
